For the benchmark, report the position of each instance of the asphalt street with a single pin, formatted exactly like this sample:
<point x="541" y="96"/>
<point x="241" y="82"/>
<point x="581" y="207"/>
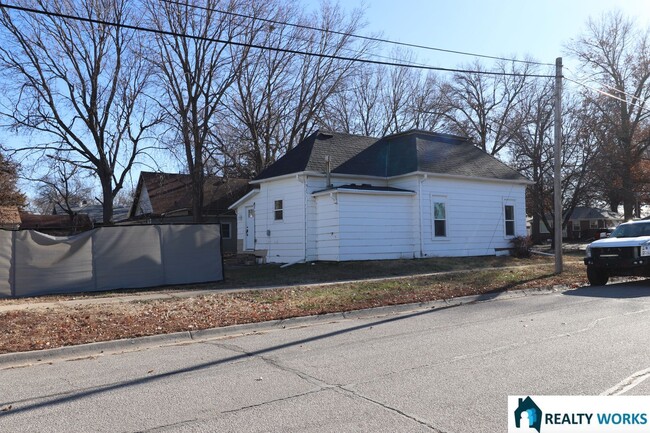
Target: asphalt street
<point x="428" y="370"/>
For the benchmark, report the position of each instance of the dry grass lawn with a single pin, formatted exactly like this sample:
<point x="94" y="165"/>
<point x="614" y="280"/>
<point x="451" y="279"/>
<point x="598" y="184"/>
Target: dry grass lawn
<point x="42" y="327"/>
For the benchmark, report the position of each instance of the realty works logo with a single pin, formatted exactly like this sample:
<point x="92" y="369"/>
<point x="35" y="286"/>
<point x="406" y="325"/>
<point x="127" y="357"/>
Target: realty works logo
<point x="528" y="415"/>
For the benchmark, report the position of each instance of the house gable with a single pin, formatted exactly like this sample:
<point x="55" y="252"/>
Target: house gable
<point x="164" y="193"/>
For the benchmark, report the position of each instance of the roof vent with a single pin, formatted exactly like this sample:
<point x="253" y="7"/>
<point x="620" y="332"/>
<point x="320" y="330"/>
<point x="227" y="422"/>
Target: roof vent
<point x="324" y="136"/>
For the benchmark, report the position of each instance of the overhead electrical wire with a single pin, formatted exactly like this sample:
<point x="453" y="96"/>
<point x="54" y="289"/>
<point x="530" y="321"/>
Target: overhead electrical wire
<point x="368" y="38"/>
<point x="583" y="80"/>
<point x="609" y="95"/>
<point x="262" y="47"/>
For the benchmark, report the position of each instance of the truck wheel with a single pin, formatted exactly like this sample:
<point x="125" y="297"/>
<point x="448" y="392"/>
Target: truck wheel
<point x="597" y="276"/>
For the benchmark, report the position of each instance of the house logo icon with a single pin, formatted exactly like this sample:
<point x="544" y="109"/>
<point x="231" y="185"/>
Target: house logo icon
<point x="528" y="415"/>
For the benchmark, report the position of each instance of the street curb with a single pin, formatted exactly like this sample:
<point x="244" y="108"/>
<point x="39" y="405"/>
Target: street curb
<point x="67" y="353"/>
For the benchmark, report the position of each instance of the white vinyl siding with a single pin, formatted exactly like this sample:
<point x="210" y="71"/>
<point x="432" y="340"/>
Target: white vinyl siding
<point x="364" y="226"/>
<point x="354" y="225"/>
<point x="474" y="214"/>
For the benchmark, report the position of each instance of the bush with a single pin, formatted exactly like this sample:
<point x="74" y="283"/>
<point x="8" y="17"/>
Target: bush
<point x="521" y="246"/>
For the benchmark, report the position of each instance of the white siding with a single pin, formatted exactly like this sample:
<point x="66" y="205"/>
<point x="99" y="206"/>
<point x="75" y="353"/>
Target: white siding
<point x="353" y="226"/>
<point x="475" y="216"/>
<point x="375" y="227"/>
<point x="144" y="203"/>
<point x="284" y="240"/>
<point x="327" y="228"/>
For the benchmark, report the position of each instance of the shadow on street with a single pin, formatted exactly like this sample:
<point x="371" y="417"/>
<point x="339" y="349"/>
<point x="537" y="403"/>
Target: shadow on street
<point x="18" y="407"/>
<point x="627" y="290"/>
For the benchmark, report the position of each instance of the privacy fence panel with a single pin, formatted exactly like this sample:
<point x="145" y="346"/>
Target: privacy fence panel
<point x="48" y="264"/>
<point x="33" y="263"/>
<point x="128" y="257"/>
<point x="200" y="266"/>
<point x="6" y="245"/>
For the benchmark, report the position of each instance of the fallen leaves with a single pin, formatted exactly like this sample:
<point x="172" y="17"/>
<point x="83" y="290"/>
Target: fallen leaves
<point x="35" y="329"/>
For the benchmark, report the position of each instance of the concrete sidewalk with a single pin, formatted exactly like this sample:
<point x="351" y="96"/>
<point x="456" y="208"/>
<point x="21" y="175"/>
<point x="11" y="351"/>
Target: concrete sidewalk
<point x="104" y="348"/>
<point x="151" y="296"/>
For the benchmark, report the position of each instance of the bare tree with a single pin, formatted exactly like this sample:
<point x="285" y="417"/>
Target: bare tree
<point x="281" y="94"/>
<point x="617" y="55"/>
<point x="483" y="107"/>
<point x="79" y="82"/>
<point x="9" y="193"/>
<point x="384" y="100"/>
<point x="532" y="151"/>
<point x="196" y="61"/>
<point x="63" y="188"/>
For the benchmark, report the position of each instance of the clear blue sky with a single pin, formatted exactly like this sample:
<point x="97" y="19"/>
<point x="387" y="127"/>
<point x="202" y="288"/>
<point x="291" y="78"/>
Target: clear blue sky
<point x="493" y="27"/>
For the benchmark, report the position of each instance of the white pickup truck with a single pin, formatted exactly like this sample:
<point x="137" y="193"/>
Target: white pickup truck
<point x="626" y="252"/>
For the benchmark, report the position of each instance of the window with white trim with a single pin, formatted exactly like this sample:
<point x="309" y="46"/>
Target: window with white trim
<point x="439" y="213"/>
<point x="278" y="211"/>
<point x="509" y="219"/>
<point x="593" y="224"/>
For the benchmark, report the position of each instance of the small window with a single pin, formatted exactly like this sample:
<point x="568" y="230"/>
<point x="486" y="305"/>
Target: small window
<point x="593" y="224"/>
<point x="576" y="226"/>
<point x="439" y="220"/>
<point x="226" y="231"/>
<point x="510" y="219"/>
<point x="278" y="212"/>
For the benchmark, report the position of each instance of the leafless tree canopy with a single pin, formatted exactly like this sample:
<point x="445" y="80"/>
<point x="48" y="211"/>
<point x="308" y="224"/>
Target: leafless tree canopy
<point x="229" y="86"/>
<point x="80" y="84"/>
<point x="9" y="193"/>
<point x="615" y="52"/>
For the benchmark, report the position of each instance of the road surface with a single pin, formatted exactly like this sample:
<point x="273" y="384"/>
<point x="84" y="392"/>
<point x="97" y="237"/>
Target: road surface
<point x="436" y="370"/>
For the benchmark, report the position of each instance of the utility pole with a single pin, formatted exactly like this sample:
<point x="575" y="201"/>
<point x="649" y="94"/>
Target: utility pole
<point x="557" y="174"/>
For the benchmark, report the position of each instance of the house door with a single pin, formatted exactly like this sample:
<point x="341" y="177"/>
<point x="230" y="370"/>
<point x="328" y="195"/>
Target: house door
<point x="249" y="243"/>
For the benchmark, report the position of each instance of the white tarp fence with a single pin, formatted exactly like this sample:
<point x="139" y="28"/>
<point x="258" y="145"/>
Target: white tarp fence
<point x="33" y="263"/>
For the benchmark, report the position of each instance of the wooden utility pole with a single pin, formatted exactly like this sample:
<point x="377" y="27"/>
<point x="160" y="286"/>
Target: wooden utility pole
<point x="557" y="174"/>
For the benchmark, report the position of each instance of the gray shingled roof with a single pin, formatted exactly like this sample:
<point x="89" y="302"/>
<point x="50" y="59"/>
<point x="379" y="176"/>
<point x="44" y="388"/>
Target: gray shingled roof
<point x="391" y="156"/>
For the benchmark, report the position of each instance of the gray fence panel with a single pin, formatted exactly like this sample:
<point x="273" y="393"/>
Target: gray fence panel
<point x="191" y="253"/>
<point x="51" y="264"/>
<point x="6" y="246"/>
<point x="127" y="257"/>
<point x="32" y="263"/>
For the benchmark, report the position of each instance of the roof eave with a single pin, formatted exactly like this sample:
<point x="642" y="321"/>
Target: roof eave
<point x="461" y="177"/>
<point x="250" y="194"/>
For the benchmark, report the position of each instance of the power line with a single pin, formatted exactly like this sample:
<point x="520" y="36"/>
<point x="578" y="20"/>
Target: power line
<point x="609" y="95"/>
<point x="367" y="38"/>
<point x="582" y="80"/>
<point x="262" y="47"/>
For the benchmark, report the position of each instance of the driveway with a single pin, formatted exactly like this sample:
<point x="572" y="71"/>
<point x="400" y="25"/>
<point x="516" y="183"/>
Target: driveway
<point x="430" y="370"/>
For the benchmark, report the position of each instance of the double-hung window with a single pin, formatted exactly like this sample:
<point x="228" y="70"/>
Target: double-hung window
<point x="278" y="211"/>
<point x="509" y="219"/>
<point x="439" y="210"/>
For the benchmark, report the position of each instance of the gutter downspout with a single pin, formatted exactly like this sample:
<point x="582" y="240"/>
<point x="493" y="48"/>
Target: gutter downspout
<point x="424" y="177"/>
<point x="304" y="217"/>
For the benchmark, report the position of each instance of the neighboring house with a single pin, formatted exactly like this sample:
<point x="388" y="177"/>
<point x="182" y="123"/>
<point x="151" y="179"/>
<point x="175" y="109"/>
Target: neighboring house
<point x="346" y="197"/>
<point x="167" y="198"/>
<point x="585" y="223"/>
<point x="9" y="218"/>
<point x="56" y="225"/>
<point x="95" y="212"/>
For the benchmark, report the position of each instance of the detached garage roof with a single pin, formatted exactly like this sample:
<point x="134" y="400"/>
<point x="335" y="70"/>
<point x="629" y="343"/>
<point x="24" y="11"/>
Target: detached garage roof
<point x="394" y="155"/>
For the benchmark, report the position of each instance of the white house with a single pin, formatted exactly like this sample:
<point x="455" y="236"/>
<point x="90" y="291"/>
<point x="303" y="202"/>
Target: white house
<point x="345" y="197"/>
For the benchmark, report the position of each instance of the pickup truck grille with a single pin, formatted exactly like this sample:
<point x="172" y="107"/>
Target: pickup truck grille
<point x="615" y="253"/>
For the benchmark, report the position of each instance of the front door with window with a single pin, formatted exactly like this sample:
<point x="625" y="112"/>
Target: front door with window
<point x="249" y="242"/>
